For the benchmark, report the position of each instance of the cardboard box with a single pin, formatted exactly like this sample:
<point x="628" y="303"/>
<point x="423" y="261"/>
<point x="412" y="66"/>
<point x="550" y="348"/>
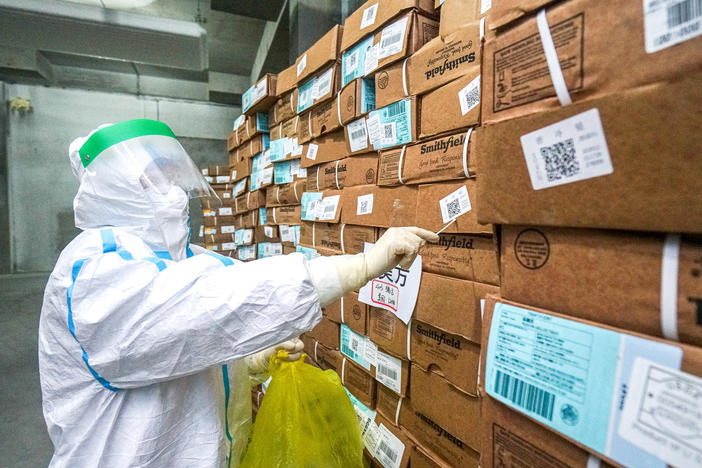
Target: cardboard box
<point x="584" y="33"/>
<point x="448" y="157"/>
<point x="464" y="256"/>
<point x="439" y="305"/>
<point x="429" y="201"/>
<point x="283" y="109"/>
<point x="388" y="331"/>
<point x="452" y="106"/>
<point x="400" y="450"/>
<point x="319" y="120"/>
<point x="283" y="215"/>
<point x="288" y="249"/>
<point x="544" y="267"/>
<point x="347" y="172"/>
<point x="288" y="194"/>
<point x="387" y="404"/>
<point x="358" y="381"/>
<point x="322" y="52"/>
<point x="329" y="236"/>
<point x="421" y="457"/>
<point x="253" y="125"/>
<point x="286" y="81"/>
<point x="329" y="147"/>
<point x="450" y="355"/>
<point x="254" y="146"/>
<point x="369" y="205"/>
<point x="349" y="310"/>
<point x="390" y="84"/>
<point x="456" y="13"/>
<point x="218" y="221"/>
<point x="241" y="169"/>
<point x="246" y="253"/>
<point x="260" y="96"/>
<point x="357" y="98"/>
<point x="512" y="440"/>
<point x="249" y="201"/>
<point x="637" y="146"/>
<point x="266" y="234"/>
<point x="232" y="142"/>
<point x="218" y="238"/>
<point x="327" y="333"/>
<point x="591" y="365"/>
<point x="323" y="86"/>
<point x="372" y="15"/>
<point x="450" y="408"/>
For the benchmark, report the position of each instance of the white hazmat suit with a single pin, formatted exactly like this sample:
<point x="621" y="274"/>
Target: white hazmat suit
<point x="140" y="333"/>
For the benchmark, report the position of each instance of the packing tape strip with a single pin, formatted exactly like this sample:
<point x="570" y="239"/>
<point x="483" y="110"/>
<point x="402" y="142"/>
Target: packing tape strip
<point x="669" y="286"/>
<point x="314" y="226"/>
<point x="409" y="333"/>
<point x="236" y="204"/>
<point x="342" y="309"/>
<point x="465" y="152"/>
<point x="404" y="77"/>
<point x="251" y="148"/>
<point x="397" y="411"/>
<point x="309" y="123"/>
<point x="253" y="217"/>
<point x="236" y="134"/>
<point x="316" y="343"/>
<point x="338" y="108"/>
<point x="341" y="235"/>
<point x="343" y="368"/>
<point x="317" y="179"/>
<point x="593" y="462"/>
<point x="277" y="194"/>
<point x="554" y="66"/>
<point x="336" y="174"/>
<point x="275" y="113"/>
<point x="399" y="164"/>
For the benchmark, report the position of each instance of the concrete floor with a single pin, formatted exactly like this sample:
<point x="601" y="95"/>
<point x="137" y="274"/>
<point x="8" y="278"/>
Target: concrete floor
<point x="24" y="441"/>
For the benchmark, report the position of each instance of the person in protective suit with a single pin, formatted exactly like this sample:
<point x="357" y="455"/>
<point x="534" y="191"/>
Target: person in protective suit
<point x="142" y="335"/>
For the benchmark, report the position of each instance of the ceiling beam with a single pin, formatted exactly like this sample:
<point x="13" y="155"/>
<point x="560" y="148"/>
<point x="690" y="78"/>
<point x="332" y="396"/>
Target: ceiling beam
<point x="261" y="9"/>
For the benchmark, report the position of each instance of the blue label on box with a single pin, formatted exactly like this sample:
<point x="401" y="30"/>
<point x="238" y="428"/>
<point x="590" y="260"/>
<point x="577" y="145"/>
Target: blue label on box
<point x="309" y="204"/>
<point x="304" y="96"/>
<point x="282" y="172"/>
<point x="278" y="149"/>
<point x="353" y="60"/>
<point x="568" y="375"/>
<point x="247" y="99"/>
<point x="261" y="121"/>
<point x="266" y="140"/>
<point x="309" y="252"/>
<point x="367" y="95"/>
<point x="262" y="216"/>
<point x="390" y="125"/>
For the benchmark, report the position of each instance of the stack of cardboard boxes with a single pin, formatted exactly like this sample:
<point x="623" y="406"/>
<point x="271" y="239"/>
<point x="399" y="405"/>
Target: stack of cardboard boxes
<point x="589" y="159"/>
<point x="218" y="223"/>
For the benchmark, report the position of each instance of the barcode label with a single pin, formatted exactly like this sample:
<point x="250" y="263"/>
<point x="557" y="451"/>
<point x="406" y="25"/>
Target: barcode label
<point x="351" y="62"/>
<point x="225" y="211"/>
<point x="669" y="22"/>
<point x="395" y="109"/>
<point x="389" y="371"/>
<point x="364" y="205"/>
<point x="369" y="16"/>
<point x="469" y="96"/>
<point x="323" y="84"/>
<point x="358" y="135"/>
<point x="312" y="151"/>
<point x="386" y="371"/>
<point x="228" y="229"/>
<point x="568" y="151"/>
<point x="525" y="395"/>
<point x="370" y="62"/>
<point x="329" y="205"/>
<point x="455" y="204"/>
<point x="390" y="449"/>
<point x="389" y="134"/>
<point x="392" y="38"/>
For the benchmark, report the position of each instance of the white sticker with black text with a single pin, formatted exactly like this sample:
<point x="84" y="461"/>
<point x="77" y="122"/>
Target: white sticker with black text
<point x="390" y="449"/>
<point x="392" y="38"/>
<point x="469" y="96"/>
<point x="364" y="204"/>
<point x="228" y="229"/>
<point x="369" y="16"/>
<point x="670" y="22"/>
<point x="568" y="151"/>
<point x="225" y="211"/>
<point x="260" y="89"/>
<point x="358" y="136"/>
<point x="388" y="371"/>
<point x="323" y="84"/>
<point x="301" y="66"/>
<point x="371" y="60"/>
<point x="373" y="126"/>
<point x="454" y="204"/>
<point x="329" y="206"/>
<point x="312" y="151"/>
<point x="268" y="231"/>
<point x="351" y="61"/>
<point x="228" y="246"/>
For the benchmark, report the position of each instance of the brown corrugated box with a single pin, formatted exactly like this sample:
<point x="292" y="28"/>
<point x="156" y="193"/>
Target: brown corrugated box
<point x="350" y="102"/>
<point x="456" y="13"/>
<point x="357" y="170"/>
<point x="232" y="141"/>
<point x="387" y="331"/>
<point x="283" y="109"/>
<point x="349" y="310"/>
<point x="321" y="53"/>
<point x="443" y="109"/>
<point x="620" y="285"/>
<point x="404" y="460"/>
<point x="287" y="194"/>
<point x="287" y="128"/>
<point x="584" y="33"/>
<point x="428" y="205"/>
<point x="389" y="85"/>
<point x="328" y="236"/>
<point x="654" y="138"/>
<point x="422" y="458"/>
<point x="463" y="256"/>
<point x="390" y="206"/>
<point x="241" y="169"/>
<point x="266" y="234"/>
<point x="510" y="440"/>
<point x="252" y="147"/>
<point x="358" y="381"/>
<point x="288" y="248"/>
<point x="249" y="201"/>
<point x="287" y="79"/>
<point x="384" y="11"/>
<point x="218" y="238"/>
<point x="435" y="160"/>
<point x="319" y="120"/>
<point x="329" y="147"/>
<point x="283" y="215"/>
<point x="327" y="333"/>
<point x="264" y="102"/>
<point x="386" y="404"/>
<point x="218" y="220"/>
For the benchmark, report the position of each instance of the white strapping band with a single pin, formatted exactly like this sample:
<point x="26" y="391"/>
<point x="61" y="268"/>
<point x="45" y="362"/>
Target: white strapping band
<point x="669" y="286"/>
<point x="277" y="194"/>
<point x="343" y="250"/>
<point x="465" y="152"/>
<point x="295" y="185"/>
<point x="236" y="205"/>
<point x="399" y="164"/>
<point x="554" y="66"/>
<point x="275" y="221"/>
<point x="314" y="225"/>
<point x="593" y="462"/>
<point x="247" y="131"/>
<point x="342" y="309"/>
<point x="317" y="178"/>
<point x="316" y="343"/>
<point x="409" y="332"/>
<point x="297" y="119"/>
<point x="309" y="123"/>
<point x="251" y="147"/>
<point x="397" y="411"/>
<point x="275" y="114"/>
<point x="292" y="107"/>
<point x="343" y="367"/>
<point x="404" y="77"/>
<point x="338" y="107"/>
<point x="336" y="174"/>
<point x="248" y="198"/>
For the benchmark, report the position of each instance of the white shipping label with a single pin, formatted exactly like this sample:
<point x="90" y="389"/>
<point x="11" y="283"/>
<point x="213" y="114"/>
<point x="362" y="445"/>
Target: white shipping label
<point x="371" y="60"/>
<point x="302" y="173"/>
<point x="228" y="246"/>
<point x="392" y="38"/>
<point x="328" y="208"/>
<point x="371" y="436"/>
<point x="663" y="413"/>
<point x="371" y="352"/>
<point x="390" y="449"/>
<point x="568" y="151"/>
<point x="248" y="236"/>
<point x="260" y="90"/>
<point x="388" y="134"/>
<point x="388" y="371"/>
<point x="234" y="174"/>
<point x="287" y="145"/>
<point x="202" y="231"/>
<point x="669" y="22"/>
<point x="222" y="179"/>
<point x="296" y="148"/>
<point x="267" y="175"/>
<point x="318" y="209"/>
<point x="312" y="151"/>
<point x="469" y="96"/>
<point x="485" y="5"/>
<point x="373" y="126"/>
<point x="228" y="229"/>
<point x="268" y="231"/>
<point x="369" y="16"/>
<point x="364" y="204"/>
<point x="225" y="211"/>
<point x="209" y="179"/>
<point x="455" y="204"/>
<point x="358" y="136"/>
<point x="226" y="195"/>
<point x="301" y="66"/>
<point x="351" y="61"/>
<point x="323" y="84"/>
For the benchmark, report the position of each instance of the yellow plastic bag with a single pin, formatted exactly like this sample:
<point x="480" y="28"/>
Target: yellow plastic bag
<point x="306" y="420"/>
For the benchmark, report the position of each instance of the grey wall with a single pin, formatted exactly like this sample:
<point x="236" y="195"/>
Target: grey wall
<point x="40" y="184"/>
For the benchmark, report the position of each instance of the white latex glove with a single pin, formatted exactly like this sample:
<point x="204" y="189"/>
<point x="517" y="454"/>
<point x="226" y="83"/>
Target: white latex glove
<point x="258" y="363"/>
<point x="398" y="246"/>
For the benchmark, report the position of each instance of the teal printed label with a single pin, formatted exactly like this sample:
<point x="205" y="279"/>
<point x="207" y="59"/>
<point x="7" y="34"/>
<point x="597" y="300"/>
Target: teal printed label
<point x="247" y="99"/>
<point x="304" y="96"/>
<point x="262" y="216"/>
<point x="568" y="375"/>
<point x="365" y="415"/>
<point x="296" y="230"/>
<point x="266" y="140"/>
<point x="278" y="149"/>
<point x="308" y="252"/>
<point x="239" y="237"/>
<point x="391" y="125"/>
<point x="353" y="346"/>
<point x="282" y="172"/>
<point x="353" y="61"/>
<point x="367" y="95"/>
<point x="261" y="122"/>
<point x="309" y="202"/>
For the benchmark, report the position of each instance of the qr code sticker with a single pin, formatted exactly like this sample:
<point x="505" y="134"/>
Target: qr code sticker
<point x="560" y="160"/>
<point x="454" y="208"/>
<point x="469" y="96"/>
<point x="352" y="61"/>
<point x="365" y="204"/>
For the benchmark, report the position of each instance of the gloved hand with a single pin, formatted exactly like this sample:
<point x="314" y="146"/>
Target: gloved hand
<point x="396" y="246"/>
<point x="258" y="363"/>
